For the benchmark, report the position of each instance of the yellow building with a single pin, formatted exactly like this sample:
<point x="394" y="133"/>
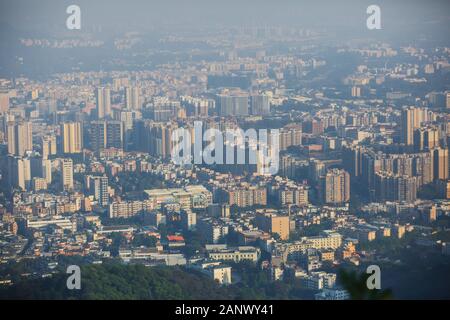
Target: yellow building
<point x="273" y="223"/>
<point x="72" y="137"/>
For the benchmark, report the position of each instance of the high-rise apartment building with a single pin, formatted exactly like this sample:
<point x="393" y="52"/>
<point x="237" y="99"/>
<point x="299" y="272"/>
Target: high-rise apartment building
<point x="352" y="159"/>
<point x="103" y="102"/>
<point x="247" y="196"/>
<point x="99" y="188"/>
<point x="47" y="170"/>
<point x="440" y="163"/>
<point x="153" y="137"/>
<point x="105" y="135"/>
<point x="4" y="101"/>
<point x="19" y="172"/>
<point x="336" y="186"/>
<point x="132" y="101"/>
<point x="97" y="135"/>
<point x="233" y="104"/>
<point x="412" y="119"/>
<point x="293" y="195"/>
<point x="48" y="146"/>
<point x="259" y="105"/>
<point x="290" y="135"/>
<point x="356" y="92"/>
<point x="67" y="174"/>
<point x="447" y="99"/>
<point x="390" y="187"/>
<point x="313" y="126"/>
<point x="128" y="118"/>
<point x="72" y="137"/>
<point x="188" y="219"/>
<point x="114" y="134"/>
<point x="426" y="138"/>
<point x="39" y="184"/>
<point x="20" y="137"/>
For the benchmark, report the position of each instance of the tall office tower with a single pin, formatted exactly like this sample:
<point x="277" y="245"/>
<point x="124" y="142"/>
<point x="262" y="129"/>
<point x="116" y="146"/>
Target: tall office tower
<point x="336" y="186"/>
<point x="20" y="138"/>
<point x="48" y="146"/>
<point x="67" y="174"/>
<point x="440" y="163"/>
<point x="233" y="104"/>
<point x="259" y="105"/>
<point x="426" y="138"/>
<point x="103" y="102"/>
<point x="72" y="137"/>
<point x="412" y="118"/>
<point x="99" y="188"/>
<point x="132" y="101"/>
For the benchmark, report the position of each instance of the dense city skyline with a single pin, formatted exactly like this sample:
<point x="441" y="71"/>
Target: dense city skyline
<point x="259" y="150"/>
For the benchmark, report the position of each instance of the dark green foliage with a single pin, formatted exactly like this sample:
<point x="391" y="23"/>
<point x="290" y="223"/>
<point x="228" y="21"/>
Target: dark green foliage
<point x="428" y="192"/>
<point x="194" y="243"/>
<point x="142" y="239"/>
<point x="356" y="284"/>
<point x="118" y="240"/>
<point x="135" y="181"/>
<point x="118" y="281"/>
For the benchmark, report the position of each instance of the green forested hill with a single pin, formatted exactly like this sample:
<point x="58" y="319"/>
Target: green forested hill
<point x="118" y="281"/>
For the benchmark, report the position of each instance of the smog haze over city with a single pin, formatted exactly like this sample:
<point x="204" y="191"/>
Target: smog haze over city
<point x="211" y="150"/>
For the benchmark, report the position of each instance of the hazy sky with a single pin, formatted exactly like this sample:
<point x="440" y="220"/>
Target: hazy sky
<point x="49" y="15"/>
<point x="403" y="23"/>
